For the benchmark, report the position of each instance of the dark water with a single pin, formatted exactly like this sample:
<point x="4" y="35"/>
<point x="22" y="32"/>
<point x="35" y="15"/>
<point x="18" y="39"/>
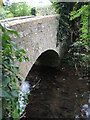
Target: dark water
<point x="58" y="93"/>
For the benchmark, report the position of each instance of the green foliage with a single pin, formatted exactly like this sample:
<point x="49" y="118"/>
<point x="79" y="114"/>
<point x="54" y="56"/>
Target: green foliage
<point x="80" y="58"/>
<point x="9" y="14"/>
<point x="2" y="13"/>
<point x="63" y="9"/>
<point x="11" y="80"/>
<point x="15" y="10"/>
<point x="83" y="12"/>
<point x="74" y="24"/>
<point x="81" y="47"/>
<point x="20" y="9"/>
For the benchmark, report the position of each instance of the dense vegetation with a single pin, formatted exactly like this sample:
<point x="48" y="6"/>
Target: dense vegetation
<point x="11" y="80"/>
<point x="15" y="10"/>
<point x="74" y="28"/>
<point x="81" y="46"/>
<point x="22" y="9"/>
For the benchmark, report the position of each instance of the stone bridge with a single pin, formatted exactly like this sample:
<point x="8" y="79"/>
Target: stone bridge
<point x="38" y="36"/>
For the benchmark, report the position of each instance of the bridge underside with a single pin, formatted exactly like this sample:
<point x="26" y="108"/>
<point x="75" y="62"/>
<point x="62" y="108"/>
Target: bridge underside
<point x="48" y="58"/>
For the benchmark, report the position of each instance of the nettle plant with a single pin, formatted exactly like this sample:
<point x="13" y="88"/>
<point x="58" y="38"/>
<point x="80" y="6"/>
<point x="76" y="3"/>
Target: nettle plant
<point x="11" y="80"/>
<point x="81" y="47"/>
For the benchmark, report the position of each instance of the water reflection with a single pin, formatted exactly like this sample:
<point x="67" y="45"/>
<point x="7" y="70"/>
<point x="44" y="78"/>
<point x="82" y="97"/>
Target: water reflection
<point x="57" y="94"/>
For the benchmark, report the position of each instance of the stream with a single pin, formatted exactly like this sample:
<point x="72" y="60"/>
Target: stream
<point x="57" y="93"/>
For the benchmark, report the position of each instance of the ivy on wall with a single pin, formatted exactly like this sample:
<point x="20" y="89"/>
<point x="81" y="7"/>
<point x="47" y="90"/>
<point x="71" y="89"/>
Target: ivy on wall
<point x="64" y="28"/>
<point x="11" y="80"/>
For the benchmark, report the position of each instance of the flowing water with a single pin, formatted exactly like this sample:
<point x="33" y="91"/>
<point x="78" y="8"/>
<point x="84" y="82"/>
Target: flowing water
<point x="57" y="93"/>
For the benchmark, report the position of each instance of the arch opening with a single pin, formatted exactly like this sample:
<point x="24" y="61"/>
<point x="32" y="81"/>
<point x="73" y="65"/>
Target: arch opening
<point x="42" y="70"/>
<point x="45" y="62"/>
<point x="48" y="58"/>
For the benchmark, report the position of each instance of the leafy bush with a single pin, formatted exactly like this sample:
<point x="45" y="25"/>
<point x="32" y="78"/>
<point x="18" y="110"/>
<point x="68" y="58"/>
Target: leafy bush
<point x="9" y="15"/>
<point x="77" y="30"/>
<point x="11" y="80"/>
<point x="15" y="10"/>
<point x="20" y="9"/>
<point x="81" y="46"/>
<point x="80" y="57"/>
<point x="64" y="28"/>
<point x="2" y="13"/>
<point x="83" y="12"/>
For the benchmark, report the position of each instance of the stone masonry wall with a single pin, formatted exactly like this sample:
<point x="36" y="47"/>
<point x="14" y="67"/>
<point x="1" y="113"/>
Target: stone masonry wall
<point x="37" y="35"/>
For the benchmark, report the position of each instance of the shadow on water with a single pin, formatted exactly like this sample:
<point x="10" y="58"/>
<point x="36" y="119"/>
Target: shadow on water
<point x="57" y="93"/>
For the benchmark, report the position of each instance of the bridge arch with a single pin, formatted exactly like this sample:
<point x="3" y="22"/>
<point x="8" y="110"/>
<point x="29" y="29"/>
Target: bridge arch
<point x="38" y="38"/>
<point x="48" y="58"/>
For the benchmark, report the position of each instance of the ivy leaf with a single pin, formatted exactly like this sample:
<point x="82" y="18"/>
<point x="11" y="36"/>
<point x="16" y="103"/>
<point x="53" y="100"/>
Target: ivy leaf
<point x="5" y="94"/>
<point x="22" y="51"/>
<point x="10" y="72"/>
<point x="15" y="113"/>
<point x="26" y="58"/>
<point x="2" y="27"/>
<point x="14" y="93"/>
<point x="13" y="32"/>
<point x="20" y="59"/>
<point x="5" y="37"/>
<point x="14" y="45"/>
<point x="5" y="81"/>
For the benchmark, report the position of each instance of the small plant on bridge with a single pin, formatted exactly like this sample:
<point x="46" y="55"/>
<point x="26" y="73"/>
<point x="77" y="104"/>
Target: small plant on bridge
<point x="11" y="80"/>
